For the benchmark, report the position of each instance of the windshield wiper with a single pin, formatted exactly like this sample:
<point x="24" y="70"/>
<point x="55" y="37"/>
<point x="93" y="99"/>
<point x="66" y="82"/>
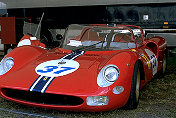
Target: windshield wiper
<point x="87" y="47"/>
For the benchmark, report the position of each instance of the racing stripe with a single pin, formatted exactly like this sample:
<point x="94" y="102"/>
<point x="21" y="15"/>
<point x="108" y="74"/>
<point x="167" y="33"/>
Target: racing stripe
<point x="42" y="82"/>
<point x="72" y="56"/>
<point x="35" y="82"/>
<point x="47" y="84"/>
<point x="78" y="54"/>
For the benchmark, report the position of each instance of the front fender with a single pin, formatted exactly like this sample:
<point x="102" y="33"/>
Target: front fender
<point x="125" y="61"/>
<point x="23" y="55"/>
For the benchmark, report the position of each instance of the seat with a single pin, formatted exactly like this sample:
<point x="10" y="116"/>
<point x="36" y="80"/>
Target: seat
<point x="122" y="38"/>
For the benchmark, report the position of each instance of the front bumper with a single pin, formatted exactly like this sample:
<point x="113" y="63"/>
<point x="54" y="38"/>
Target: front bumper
<point x="63" y="102"/>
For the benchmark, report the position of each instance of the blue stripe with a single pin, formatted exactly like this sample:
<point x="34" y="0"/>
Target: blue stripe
<point x="34" y="82"/>
<point x="44" y="81"/>
<point x="48" y="85"/>
<point x="39" y="86"/>
<point x="72" y="55"/>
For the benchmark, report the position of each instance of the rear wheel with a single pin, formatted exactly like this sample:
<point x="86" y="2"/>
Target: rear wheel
<point x="164" y="64"/>
<point x="135" y="86"/>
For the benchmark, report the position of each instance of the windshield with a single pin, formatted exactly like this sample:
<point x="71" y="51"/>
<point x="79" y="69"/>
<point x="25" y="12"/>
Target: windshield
<point x="98" y="38"/>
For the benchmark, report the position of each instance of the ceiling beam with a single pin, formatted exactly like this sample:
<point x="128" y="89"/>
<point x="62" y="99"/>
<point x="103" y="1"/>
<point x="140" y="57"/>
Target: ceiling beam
<point x="63" y="3"/>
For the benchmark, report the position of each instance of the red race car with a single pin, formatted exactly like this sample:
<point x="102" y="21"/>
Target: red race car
<point x="96" y="68"/>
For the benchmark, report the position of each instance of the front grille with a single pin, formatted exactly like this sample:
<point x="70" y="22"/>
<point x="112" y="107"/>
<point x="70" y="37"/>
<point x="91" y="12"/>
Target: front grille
<point x="42" y="98"/>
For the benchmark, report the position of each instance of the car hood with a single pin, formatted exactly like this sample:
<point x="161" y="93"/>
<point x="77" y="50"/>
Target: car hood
<point x="85" y="60"/>
<point x="80" y="81"/>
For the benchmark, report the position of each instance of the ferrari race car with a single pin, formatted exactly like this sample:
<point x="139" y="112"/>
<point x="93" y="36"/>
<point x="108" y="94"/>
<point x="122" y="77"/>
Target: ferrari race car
<point x="96" y="68"/>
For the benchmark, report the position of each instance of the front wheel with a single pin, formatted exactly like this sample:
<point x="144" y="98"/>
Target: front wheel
<point x="135" y="86"/>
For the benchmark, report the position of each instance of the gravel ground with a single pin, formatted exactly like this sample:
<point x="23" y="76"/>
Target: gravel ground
<point x="157" y="100"/>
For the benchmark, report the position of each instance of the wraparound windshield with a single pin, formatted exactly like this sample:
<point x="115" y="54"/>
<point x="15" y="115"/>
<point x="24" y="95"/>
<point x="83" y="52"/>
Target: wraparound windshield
<point x="98" y="38"/>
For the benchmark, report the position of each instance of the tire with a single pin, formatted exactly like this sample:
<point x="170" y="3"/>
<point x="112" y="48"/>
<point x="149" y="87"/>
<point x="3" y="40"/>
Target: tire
<point x="162" y="72"/>
<point x="133" y="100"/>
<point x="8" y="48"/>
<point x="164" y="64"/>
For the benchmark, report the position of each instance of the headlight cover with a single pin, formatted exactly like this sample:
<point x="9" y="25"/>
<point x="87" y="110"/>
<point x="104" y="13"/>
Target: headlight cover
<point x="6" y="64"/>
<point x="111" y="74"/>
<point x="108" y="75"/>
<point x="97" y="100"/>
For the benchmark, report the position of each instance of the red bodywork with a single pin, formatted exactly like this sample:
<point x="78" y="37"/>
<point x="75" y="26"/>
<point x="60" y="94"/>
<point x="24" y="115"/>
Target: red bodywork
<point x="82" y="82"/>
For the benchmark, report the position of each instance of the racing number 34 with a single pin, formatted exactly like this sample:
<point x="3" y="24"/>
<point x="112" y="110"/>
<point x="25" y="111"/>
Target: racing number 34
<point x="154" y="61"/>
<point x="54" y="69"/>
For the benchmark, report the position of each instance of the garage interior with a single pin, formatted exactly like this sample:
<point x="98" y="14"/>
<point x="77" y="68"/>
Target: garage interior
<point x="156" y="17"/>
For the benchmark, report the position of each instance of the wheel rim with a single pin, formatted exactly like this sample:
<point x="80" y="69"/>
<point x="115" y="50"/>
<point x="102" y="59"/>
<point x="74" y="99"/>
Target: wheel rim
<point x="137" y="85"/>
<point x="164" y="63"/>
<point x="9" y="50"/>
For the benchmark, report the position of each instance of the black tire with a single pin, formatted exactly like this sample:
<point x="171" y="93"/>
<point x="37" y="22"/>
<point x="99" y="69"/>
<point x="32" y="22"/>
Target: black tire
<point x="133" y="100"/>
<point x="8" y="48"/>
<point x="162" y="72"/>
<point x="164" y="63"/>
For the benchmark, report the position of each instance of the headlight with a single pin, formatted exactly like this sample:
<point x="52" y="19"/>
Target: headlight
<point x="6" y="65"/>
<point x="97" y="100"/>
<point x="111" y="74"/>
<point x="108" y="75"/>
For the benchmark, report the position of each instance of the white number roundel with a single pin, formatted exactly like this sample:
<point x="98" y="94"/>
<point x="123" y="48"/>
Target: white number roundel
<point x="153" y="60"/>
<point x="55" y="68"/>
